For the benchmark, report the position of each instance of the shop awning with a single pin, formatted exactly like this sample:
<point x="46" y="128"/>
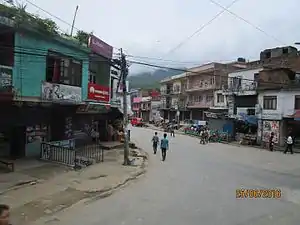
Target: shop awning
<point x="251" y="119"/>
<point x="296" y="115"/>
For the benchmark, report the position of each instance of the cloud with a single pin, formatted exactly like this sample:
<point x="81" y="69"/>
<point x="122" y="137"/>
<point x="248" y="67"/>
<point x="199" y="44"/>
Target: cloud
<point x="152" y="28"/>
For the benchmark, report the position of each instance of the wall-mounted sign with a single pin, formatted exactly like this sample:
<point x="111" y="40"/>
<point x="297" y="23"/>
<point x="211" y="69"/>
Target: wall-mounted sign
<point x="93" y="108"/>
<point x="7" y="21"/>
<point x="270" y="116"/>
<point x="98" y="92"/>
<point x="100" y="47"/>
<point x="61" y="93"/>
<point x="5" y="77"/>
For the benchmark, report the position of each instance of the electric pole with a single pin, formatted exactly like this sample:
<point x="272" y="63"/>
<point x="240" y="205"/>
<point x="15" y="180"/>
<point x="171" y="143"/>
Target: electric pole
<point x="124" y="73"/>
<point x="75" y="14"/>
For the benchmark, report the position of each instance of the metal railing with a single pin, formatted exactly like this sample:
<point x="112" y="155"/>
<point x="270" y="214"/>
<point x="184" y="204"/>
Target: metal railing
<point x="78" y="158"/>
<point x="57" y="154"/>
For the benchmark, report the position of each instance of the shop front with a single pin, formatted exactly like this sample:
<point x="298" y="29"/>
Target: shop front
<point x="268" y="123"/>
<point x="291" y="125"/>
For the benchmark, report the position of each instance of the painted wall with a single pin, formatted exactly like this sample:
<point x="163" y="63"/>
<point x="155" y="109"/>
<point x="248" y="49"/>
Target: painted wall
<point x="285" y="104"/>
<point x="30" y="63"/>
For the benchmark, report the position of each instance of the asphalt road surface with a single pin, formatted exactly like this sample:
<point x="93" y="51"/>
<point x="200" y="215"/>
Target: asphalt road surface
<point x="197" y="185"/>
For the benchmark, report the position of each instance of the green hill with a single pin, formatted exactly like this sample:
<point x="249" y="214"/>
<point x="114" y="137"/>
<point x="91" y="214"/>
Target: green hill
<point x="150" y="79"/>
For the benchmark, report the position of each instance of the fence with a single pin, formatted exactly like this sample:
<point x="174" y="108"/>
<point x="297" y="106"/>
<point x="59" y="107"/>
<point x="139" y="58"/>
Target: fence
<point x="81" y="157"/>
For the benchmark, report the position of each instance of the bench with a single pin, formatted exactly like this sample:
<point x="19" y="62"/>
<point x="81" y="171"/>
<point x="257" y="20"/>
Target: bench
<point x="8" y="163"/>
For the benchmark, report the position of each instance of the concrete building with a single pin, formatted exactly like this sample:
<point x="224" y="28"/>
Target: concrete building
<point x="174" y="98"/>
<point x="202" y="81"/>
<point x="278" y="111"/>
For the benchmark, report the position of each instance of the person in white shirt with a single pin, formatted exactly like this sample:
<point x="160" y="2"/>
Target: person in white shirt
<point x="289" y="144"/>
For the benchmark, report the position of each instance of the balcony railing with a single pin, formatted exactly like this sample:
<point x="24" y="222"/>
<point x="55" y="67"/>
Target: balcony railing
<point x="191" y="88"/>
<point x="200" y="104"/>
<point x="247" y="86"/>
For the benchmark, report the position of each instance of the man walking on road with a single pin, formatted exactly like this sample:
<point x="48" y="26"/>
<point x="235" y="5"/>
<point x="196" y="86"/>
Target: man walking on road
<point x="289" y="144"/>
<point x="155" y="141"/>
<point x="172" y="130"/>
<point x="164" y="146"/>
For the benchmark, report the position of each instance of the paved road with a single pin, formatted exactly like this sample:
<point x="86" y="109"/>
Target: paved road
<point x="197" y="185"/>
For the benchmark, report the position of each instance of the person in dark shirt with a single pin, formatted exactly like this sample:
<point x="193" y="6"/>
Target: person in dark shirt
<point x="271" y="142"/>
<point x="164" y="146"/>
<point x="155" y="141"/>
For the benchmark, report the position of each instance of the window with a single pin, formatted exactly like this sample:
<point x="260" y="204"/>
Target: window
<point x="297" y="102"/>
<point x="209" y="98"/>
<point x="270" y="102"/>
<point x="220" y="98"/>
<point x="92" y="77"/>
<point x="63" y="70"/>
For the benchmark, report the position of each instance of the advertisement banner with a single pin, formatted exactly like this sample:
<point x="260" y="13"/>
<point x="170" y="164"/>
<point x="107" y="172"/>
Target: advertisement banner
<point x="61" y="93"/>
<point x="98" y="92"/>
<point x="5" y="77"/>
<point x="100" y="47"/>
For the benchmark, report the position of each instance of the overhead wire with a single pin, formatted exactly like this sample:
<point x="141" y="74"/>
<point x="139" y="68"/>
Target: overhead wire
<point x="154" y="66"/>
<point x="247" y="21"/>
<point x="199" y="29"/>
<point x="56" y="17"/>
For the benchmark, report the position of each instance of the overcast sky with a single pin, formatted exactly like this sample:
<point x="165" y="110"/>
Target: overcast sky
<point x="153" y="28"/>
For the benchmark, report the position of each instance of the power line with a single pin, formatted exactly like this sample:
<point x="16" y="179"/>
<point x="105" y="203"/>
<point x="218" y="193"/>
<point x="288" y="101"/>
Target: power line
<point x="58" y="18"/>
<point x="155" y="66"/>
<point x="199" y="29"/>
<point x="181" y="62"/>
<point x="44" y="52"/>
<point x="247" y="21"/>
<point x="200" y="73"/>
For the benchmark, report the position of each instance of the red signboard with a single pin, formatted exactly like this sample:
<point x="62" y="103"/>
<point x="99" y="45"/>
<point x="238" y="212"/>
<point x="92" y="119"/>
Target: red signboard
<point x="100" y="47"/>
<point x="98" y="92"/>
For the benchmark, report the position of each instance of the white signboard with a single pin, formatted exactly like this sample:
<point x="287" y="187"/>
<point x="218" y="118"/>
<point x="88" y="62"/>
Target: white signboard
<point x="61" y="93"/>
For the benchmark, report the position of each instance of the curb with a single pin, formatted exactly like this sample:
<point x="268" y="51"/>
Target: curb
<point x="106" y="192"/>
<point x="21" y="185"/>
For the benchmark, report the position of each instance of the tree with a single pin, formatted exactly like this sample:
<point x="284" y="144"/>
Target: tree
<point x="82" y="37"/>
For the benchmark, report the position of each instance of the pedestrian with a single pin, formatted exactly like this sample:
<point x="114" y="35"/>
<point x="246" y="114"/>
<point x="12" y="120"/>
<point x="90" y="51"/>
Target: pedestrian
<point x="164" y="146"/>
<point x="271" y="142"/>
<point x="202" y="141"/>
<point x="4" y="214"/>
<point x="289" y="144"/>
<point x="172" y="129"/>
<point x="155" y="141"/>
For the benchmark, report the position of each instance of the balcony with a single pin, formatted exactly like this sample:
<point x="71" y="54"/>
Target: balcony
<point x="245" y="88"/>
<point x="60" y="93"/>
<point x="194" y="87"/>
<point x="135" y="108"/>
<point x="200" y="104"/>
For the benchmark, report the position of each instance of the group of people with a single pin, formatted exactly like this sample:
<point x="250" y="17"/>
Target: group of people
<point x="204" y="135"/>
<point x="289" y="143"/>
<point x="164" y="145"/>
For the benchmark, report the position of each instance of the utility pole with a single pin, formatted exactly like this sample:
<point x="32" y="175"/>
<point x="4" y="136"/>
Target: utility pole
<point x="124" y="73"/>
<point x="75" y="14"/>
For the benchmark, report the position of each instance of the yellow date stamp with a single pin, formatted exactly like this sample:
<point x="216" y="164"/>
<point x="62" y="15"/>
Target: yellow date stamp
<point x="258" y="193"/>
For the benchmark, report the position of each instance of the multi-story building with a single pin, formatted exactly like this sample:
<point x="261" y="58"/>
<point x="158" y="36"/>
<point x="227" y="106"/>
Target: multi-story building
<point x="174" y="98"/>
<point x="278" y="106"/>
<point x="202" y="81"/>
<point x="47" y="84"/>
